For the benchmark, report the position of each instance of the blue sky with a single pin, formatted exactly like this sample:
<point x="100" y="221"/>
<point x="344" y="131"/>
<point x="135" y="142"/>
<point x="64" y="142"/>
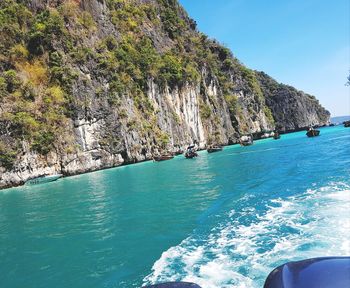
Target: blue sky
<point x="303" y="43"/>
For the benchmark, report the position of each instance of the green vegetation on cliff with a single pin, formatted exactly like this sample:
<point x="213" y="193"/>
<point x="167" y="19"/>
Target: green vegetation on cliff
<point x="34" y="88"/>
<point x="61" y="60"/>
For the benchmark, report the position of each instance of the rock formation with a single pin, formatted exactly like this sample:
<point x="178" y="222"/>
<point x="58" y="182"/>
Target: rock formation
<point x="92" y="84"/>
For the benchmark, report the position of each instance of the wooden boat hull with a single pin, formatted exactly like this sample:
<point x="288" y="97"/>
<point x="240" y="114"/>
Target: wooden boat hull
<point x="163" y="158"/>
<point x="215" y="149"/>
<point x="246" y="143"/>
<point x="191" y="155"/>
<point x="313" y="133"/>
<point x="43" y="179"/>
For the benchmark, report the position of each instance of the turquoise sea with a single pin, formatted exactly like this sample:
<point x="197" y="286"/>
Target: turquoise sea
<point x="221" y="220"/>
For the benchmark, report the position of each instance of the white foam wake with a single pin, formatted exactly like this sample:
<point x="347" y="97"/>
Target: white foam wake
<point x="241" y="255"/>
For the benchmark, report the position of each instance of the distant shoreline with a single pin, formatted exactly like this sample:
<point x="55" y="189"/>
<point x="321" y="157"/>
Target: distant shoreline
<point x="339" y="119"/>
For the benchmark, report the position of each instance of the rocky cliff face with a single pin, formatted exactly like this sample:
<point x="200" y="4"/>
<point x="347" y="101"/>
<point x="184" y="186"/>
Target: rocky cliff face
<point x="292" y="110"/>
<point x="91" y="84"/>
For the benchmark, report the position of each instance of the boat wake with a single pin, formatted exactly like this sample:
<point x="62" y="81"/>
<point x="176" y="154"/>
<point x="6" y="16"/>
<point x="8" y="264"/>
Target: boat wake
<point x="242" y="250"/>
<point x="252" y="151"/>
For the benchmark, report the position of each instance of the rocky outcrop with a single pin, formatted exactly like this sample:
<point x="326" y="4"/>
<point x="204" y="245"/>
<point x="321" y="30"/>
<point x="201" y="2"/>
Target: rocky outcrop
<point x="292" y="109"/>
<point x="105" y="101"/>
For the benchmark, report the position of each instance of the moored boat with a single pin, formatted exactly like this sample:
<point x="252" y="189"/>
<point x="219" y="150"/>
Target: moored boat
<point x="265" y="135"/>
<point x="43" y="179"/>
<point x="276" y="135"/>
<point x="191" y="152"/>
<point x="347" y="123"/>
<point x="213" y="149"/>
<point x="312" y="132"/>
<point x="246" y="140"/>
<point x="162" y="158"/>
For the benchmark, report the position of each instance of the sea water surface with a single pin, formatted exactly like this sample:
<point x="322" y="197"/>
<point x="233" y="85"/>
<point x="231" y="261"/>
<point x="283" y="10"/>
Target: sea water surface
<point x="221" y="220"/>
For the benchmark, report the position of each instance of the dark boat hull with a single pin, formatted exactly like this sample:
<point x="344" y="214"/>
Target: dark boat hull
<point x="347" y="124"/>
<point x="312" y="273"/>
<point x="246" y="143"/>
<point x="276" y="136"/>
<point x="313" y="133"/>
<point x="191" y="155"/>
<point x="162" y="158"/>
<point x="212" y="150"/>
<point x="43" y="179"/>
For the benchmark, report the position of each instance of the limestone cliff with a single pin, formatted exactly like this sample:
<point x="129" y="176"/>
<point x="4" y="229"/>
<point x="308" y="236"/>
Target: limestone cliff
<point x="292" y="110"/>
<point x="91" y="84"/>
